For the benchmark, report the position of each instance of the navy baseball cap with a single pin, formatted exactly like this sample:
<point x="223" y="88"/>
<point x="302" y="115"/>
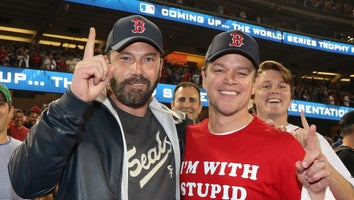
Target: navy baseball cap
<point x="233" y="41"/>
<point x="5" y="91"/>
<point x="132" y="29"/>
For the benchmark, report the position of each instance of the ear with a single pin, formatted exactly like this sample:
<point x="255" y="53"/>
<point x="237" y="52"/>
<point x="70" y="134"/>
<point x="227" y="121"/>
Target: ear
<point x="254" y="89"/>
<point x="254" y="86"/>
<point x="203" y="78"/>
<point x="160" y="69"/>
<point x="200" y="108"/>
<point x="11" y="113"/>
<point x="172" y="104"/>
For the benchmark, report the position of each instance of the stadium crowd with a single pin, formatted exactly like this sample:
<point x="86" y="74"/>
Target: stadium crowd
<point x="23" y="55"/>
<point x="340" y="7"/>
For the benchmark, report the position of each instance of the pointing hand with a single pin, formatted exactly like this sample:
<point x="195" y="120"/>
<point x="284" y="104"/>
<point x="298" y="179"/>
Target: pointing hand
<point x="92" y="74"/>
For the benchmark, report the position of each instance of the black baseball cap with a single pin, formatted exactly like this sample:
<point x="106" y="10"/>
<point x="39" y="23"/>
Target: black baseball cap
<point x="233" y="41"/>
<point x="131" y="29"/>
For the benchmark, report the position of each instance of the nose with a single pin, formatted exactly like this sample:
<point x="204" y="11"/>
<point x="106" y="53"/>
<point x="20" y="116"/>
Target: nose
<point x="186" y="104"/>
<point x="229" y="78"/>
<point x="136" y="67"/>
<point x="275" y="91"/>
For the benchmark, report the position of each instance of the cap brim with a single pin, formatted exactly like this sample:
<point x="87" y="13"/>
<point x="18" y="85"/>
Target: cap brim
<point x="236" y="51"/>
<point x="127" y="41"/>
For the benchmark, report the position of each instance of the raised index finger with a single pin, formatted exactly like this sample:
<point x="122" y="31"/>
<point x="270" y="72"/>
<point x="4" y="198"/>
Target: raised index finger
<point x="304" y="122"/>
<point x="312" y="147"/>
<point x="90" y="45"/>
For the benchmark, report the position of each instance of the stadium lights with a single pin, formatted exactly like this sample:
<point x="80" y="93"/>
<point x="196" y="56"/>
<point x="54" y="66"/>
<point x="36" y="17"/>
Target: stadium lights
<point x="66" y="45"/>
<point x="27" y="35"/>
<point x="14" y="38"/>
<point x="65" y="37"/>
<point x="71" y="39"/>
<point x="21" y="35"/>
<point x="315" y="78"/>
<point x="344" y="79"/>
<point x="325" y="73"/>
<point x="17" y="30"/>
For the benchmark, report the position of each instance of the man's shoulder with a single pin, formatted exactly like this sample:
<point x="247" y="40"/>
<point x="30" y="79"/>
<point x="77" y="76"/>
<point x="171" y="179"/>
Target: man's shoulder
<point x="178" y="116"/>
<point x="14" y="142"/>
<point x="272" y="132"/>
<point x="344" y="148"/>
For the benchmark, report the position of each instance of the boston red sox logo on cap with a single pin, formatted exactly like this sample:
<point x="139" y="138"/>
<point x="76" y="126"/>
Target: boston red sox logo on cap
<point x="139" y="25"/>
<point x="233" y="41"/>
<point x="132" y="29"/>
<point x="237" y="39"/>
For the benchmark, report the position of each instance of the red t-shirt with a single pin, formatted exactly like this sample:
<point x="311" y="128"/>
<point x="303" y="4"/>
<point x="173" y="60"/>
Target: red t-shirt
<point x="256" y="162"/>
<point x="19" y="133"/>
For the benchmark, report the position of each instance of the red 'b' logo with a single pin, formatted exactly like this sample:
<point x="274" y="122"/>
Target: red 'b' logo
<point x="139" y="25"/>
<point x="236" y="40"/>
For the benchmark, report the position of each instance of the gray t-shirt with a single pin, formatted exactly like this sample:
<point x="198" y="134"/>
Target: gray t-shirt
<point x="151" y="160"/>
<point x="6" y="149"/>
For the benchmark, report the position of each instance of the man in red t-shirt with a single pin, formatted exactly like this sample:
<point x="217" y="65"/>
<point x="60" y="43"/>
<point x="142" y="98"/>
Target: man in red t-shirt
<point x="17" y="129"/>
<point x="235" y="155"/>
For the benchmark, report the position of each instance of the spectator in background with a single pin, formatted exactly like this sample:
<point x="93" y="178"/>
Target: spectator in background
<point x="49" y="63"/>
<point x="220" y="8"/>
<point x="4" y="56"/>
<point x="61" y="64"/>
<point x="176" y="75"/>
<point x="346" y="99"/>
<point x="7" y="144"/>
<point x="346" y="150"/>
<point x="186" y="98"/>
<point x="23" y="58"/>
<point x="164" y="75"/>
<point x="180" y="2"/>
<point x="17" y="129"/>
<point x="71" y="62"/>
<point x="186" y="75"/>
<point x="306" y="96"/>
<point x="331" y="99"/>
<point x="196" y="77"/>
<point x="36" y="60"/>
<point x="32" y="117"/>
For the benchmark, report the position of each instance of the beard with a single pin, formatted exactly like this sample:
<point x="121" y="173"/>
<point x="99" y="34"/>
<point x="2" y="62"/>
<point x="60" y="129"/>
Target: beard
<point x="133" y="97"/>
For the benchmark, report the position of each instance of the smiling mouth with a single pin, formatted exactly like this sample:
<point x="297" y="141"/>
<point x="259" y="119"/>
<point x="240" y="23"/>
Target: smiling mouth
<point x="229" y="92"/>
<point x="137" y="84"/>
<point x="187" y="111"/>
<point x="273" y="101"/>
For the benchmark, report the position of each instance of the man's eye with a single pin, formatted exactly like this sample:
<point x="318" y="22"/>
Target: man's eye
<point x="242" y="74"/>
<point x="149" y="59"/>
<point x="125" y="58"/>
<point x="218" y="70"/>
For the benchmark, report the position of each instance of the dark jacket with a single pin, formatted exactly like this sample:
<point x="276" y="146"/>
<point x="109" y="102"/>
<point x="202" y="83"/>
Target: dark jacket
<point x="84" y="155"/>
